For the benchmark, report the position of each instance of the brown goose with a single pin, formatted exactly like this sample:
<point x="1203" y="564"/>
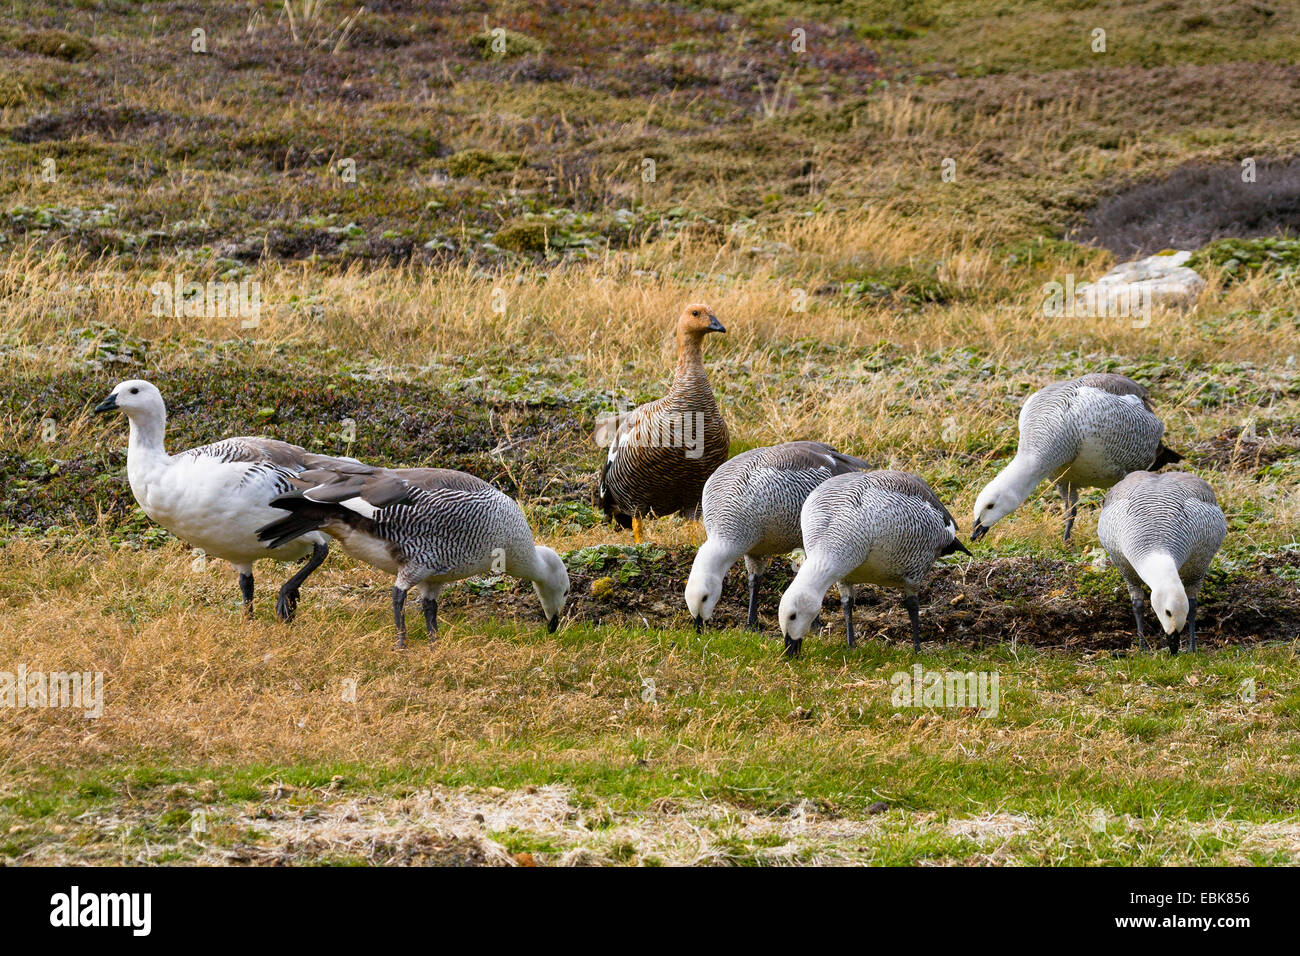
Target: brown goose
<point x="662" y="453"/>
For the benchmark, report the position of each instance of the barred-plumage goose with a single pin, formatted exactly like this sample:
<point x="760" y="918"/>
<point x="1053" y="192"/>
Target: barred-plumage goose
<point x="751" y="507"/>
<point x="878" y="527"/>
<point x="1163" y="531"/>
<point x="1085" y="433"/>
<point x="427" y="526"/>
<point x="215" y="497"/>
<point x="661" y="453"/>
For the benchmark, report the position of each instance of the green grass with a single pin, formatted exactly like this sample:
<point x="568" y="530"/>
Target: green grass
<point x="1142" y="740"/>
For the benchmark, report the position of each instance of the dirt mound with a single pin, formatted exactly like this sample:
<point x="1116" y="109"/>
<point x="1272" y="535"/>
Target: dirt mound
<point x="111" y="122"/>
<point x="1249" y="449"/>
<point x="1196" y="204"/>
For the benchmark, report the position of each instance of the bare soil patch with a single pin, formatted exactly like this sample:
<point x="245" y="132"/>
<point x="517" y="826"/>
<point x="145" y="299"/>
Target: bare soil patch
<point x="1039" y="601"/>
<point x="1196" y="204"/>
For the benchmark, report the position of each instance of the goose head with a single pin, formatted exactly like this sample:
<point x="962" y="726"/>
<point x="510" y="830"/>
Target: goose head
<point x="703" y="588"/>
<point x="551" y="585"/>
<point x="697" y="320"/>
<point x="799" y="608"/>
<point x="1170" y="604"/>
<point x="994" y="503"/>
<point x="134" y="398"/>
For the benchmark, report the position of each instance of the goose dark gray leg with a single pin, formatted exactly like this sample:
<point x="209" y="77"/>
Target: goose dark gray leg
<point x="1071" y="509"/>
<point x="287" y="602"/>
<point x="246" y="589"/>
<point x="399" y="614"/>
<point x="754" y="581"/>
<point x="1191" y="625"/>
<point x="430" y="608"/>
<point x="847" y="602"/>
<point x="1138" y="604"/>
<point x="913" y="605"/>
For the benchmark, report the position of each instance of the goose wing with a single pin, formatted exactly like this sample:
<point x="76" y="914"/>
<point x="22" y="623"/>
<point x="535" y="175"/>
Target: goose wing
<point x="1115" y="384"/>
<point x="908" y="484"/>
<point x="812" y="456"/>
<point x="367" y="488"/>
<point x="252" y="450"/>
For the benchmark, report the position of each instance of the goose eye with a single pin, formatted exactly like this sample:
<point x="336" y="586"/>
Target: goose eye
<point x="135" y="391"/>
<point x="988" y="506"/>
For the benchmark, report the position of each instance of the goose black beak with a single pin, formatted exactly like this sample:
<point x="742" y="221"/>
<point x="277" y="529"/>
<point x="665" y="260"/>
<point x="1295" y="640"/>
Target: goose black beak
<point x="977" y="532"/>
<point x="715" y="325"/>
<point x="107" y="405"/>
<point x="793" y="647"/>
<point x="552" y="623"/>
<point x="699" y="625"/>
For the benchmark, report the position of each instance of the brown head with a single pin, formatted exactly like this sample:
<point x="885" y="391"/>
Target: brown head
<point x="697" y="320"/>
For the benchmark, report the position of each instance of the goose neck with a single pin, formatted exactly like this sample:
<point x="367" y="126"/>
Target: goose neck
<point x="1022" y="476"/>
<point x="1159" y="570"/>
<point x="816" y="574"/>
<point x="716" y="556"/>
<point x="146" y="440"/>
<point x="690" y="353"/>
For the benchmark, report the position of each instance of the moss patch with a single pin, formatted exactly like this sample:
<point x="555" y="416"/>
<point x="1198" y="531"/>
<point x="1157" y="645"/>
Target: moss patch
<point x="500" y="43"/>
<point x="55" y="43"/>
<point x="481" y="163"/>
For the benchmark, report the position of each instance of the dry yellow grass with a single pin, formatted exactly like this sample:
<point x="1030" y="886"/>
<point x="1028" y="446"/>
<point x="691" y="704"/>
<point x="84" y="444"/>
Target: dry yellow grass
<point x="602" y="314"/>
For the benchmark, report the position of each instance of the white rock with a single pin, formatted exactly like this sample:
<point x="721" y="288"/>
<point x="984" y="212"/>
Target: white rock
<point x="1144" y="283"/>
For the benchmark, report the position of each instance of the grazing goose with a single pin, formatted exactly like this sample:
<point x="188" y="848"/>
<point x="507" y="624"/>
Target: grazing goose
<point x="751" y="507"/>
<point x="1163" y="530"/>
<point x="661" y="453"/>
<point x="1086" y="433"/>
<point x="215" y="497"/>
<point x="877" y="527"/>
<point x="427" y="526"/>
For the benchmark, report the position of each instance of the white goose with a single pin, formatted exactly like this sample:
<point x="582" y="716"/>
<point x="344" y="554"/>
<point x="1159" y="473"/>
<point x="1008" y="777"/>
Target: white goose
<point x="1088" y="432"/>
<point x="216" y="496"/>
<point x="1163" y="531"/>
<point x="878" y="527"/>
<point x="751" y="508"/>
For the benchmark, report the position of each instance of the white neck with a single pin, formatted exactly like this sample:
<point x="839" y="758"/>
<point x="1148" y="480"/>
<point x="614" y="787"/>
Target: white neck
<point x="531" y="566"/>
<point x="716" y="557"/>
<point x="145" y="451"/>
<point x="148" y="430"/>
<point x="1160" y="572"/>
<point x="815" y="577"/>
<point x="1018" y="480"/>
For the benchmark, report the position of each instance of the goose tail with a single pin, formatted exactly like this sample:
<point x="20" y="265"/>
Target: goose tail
<point x="1165" y="456"/>
<point x="954" y="546"/>
<point x="605" y="498"/>
<point x="304" y="516"/>
<point x="853" y="463"/>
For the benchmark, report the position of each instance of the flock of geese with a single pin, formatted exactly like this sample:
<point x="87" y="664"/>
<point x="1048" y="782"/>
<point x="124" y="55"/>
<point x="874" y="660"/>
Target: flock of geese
<point x="243" y="499"/>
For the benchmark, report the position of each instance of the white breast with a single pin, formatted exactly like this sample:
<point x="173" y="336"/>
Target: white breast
<point x="213" y="505"/>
